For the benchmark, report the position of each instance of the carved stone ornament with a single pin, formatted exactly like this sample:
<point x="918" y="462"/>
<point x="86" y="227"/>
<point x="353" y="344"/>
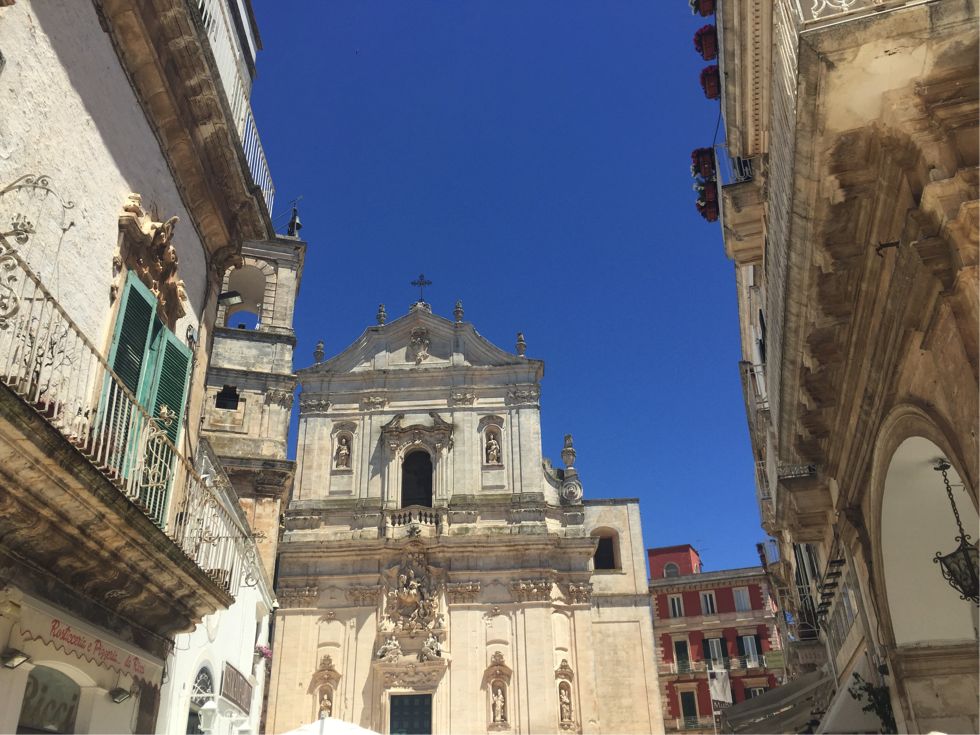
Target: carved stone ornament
<point x="458" y="312"/>
<point x="318" y="353"/>
<point x="411" y="676"/>
<point x="411" y="600"/>
<point x="420" y="344"/>
<point x="326" y="673"/>
<point x="364" y="596"/>
<point x="382" y="317"/>
<point x="229" y="256"/>
<point x="571" y="488"/>
<point x="462" y="592"/>
<point x="282" y="398"/>
<point x="313" y="406"/>
<point x="342" y="455"/>
<point x="524" y="396"/>
<point x="293" y="597"/>
<point x="532" y="590"/>
<point x="462" y="398"/>
<point x="564" y="671"/>
<point x="431" y="649"/>
<point x="147" y="249"/>
<point x="568" y="453"/>
<point x="521" y="345"/>
<point x="390" y="651"/>
<point x="498" y="669"/>
<point x="579" y="593"/>
<point x="436" y="436"/>
<point x="373" y="403"/>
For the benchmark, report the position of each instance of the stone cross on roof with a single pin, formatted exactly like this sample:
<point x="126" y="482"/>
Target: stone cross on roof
<point x="421" y="283"/>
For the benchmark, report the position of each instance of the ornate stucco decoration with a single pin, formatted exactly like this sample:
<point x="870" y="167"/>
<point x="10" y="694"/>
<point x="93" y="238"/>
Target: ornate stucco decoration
<point x="462" y="592"/>
<point x="229" y="256"/>
<point x="564" y="671"/>
<point x="373" y="403"/>
<point x="147" y="249"/>
<point x="420" y="344"/>
<point x="412" y="675"/>
<point x="326" y="673"/>
<point x="294" y="597"/>
<point x="524" y="396"/>
<point x="362" y="596"/>
<point x="532" y="590"/>
<point x="313" y="406"/>
<point x="579" y="593"/>
<point x="437" y="436"/>
<point x="462" y="397"/>
<point x="411" y="594"/>
<point x="282" y="398"/>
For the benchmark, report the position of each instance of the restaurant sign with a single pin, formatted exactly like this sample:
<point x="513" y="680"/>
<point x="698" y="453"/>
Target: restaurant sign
<point x="42" y="622"/>
<point x="236" y="689"/>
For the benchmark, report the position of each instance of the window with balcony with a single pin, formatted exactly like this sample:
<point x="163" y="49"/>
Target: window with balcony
<point x="676" y="606"/>
<point x="708" y="603"/>
<point x="715" y="650"/>
<point x="742" y="602"/>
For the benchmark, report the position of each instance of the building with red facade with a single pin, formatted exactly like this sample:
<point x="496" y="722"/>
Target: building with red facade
<point x="716" y="636"/>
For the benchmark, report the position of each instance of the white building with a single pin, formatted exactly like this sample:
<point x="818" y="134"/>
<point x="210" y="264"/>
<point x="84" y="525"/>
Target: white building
<point x="437" y="574"/>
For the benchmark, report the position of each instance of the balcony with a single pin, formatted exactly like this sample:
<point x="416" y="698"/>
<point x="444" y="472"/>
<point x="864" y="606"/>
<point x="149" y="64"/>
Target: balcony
<point x="229" y="57"/>
<point x="689" y="723"/>
<point x="89" y="468"/>
<point x="734" y="663"/>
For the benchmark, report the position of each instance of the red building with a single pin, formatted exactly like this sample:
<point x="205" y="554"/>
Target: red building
<point x="710" y="627"/>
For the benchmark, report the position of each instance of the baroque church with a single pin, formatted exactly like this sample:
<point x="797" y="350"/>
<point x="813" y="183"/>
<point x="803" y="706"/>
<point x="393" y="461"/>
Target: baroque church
<point x="436" y="573"/>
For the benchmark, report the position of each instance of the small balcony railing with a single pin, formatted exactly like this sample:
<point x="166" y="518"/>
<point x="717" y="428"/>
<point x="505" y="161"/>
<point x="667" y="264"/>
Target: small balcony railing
<point x="47" y="361"/>
<point x="230" y="59"/>
<point x="690" y="723"/>
<point x="413" y="515"/>
<point x="729" y="663"/>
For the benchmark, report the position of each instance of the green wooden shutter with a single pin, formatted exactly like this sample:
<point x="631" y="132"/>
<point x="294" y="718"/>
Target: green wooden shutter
<point x="173" y="364"/>
<point x="132" y="337"/>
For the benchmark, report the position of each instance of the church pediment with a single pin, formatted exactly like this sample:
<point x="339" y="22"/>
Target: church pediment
<point x="421" y="341"/>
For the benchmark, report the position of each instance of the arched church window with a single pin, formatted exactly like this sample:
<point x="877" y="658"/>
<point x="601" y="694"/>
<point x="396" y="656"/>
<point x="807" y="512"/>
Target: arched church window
<point x="50" y="702"/>
<point x="671" y="570"/>
<point x="417" y="479"/>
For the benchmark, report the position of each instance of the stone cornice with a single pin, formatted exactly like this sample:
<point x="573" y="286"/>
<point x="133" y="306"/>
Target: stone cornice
<point x="188" y="112"/>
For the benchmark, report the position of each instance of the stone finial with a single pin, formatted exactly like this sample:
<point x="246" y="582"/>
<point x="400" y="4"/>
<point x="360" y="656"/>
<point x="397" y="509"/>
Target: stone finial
<point x="458" y="312"/>
<point x="318" y="352"/>
<point x="521" y="344"/>
<point x="568" y="453"/>
<point x="382" y="317"/>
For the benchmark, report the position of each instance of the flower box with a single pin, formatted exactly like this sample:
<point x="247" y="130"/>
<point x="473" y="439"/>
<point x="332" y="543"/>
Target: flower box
<point x="708" y="210"/>
<point x="702" y="7"/>
<point x="710" y="191"/>
<point x="706" y="42"/>
<point x="703" y="163"/>
<point x="711" y="82"/>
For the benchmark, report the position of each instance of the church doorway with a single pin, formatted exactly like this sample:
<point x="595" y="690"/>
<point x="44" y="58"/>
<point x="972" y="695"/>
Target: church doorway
<point x="417" y="480"/>
<point x="411" y="713"/>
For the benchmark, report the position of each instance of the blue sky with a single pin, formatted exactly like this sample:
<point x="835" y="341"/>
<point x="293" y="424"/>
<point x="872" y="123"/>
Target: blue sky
<point x="531" y="158"/>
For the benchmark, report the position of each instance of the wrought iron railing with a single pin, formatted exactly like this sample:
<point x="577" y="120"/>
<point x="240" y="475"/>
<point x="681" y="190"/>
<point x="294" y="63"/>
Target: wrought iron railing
<point x="690" y="723"/>
<point x="732" y="170"/>
<point x="50" y="363"/>
<point x="230" y="59"/>
<point x="728" y="663"/>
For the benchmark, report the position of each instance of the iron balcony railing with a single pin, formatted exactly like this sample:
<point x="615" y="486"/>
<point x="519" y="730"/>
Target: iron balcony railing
<point x="690" y="723"/>
<point x="230" y="59"/>
<point x="732" y="170"/>
<point x="47" y="360"/>
<point x="729" y="663"/>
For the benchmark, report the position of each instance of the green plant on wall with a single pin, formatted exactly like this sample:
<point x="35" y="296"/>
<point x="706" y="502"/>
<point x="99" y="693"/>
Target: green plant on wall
<point x="879" y="702"/>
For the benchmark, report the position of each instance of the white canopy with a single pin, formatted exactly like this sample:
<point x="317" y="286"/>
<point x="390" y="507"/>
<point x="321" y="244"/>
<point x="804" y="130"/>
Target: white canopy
<point x="330" y="726"/>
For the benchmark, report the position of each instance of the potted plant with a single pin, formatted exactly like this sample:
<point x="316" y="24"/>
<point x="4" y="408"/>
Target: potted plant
<point x="706" y="42"/>
<point x="708" y="210"/>
<point x="703" y="163"/>
<point x="710" y="82"/>
<point x="261" y="653"/>
<point x="704" y="7"/>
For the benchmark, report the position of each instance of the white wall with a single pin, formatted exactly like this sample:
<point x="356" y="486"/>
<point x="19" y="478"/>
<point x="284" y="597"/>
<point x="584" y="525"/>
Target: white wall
<point x="68" y="111"/>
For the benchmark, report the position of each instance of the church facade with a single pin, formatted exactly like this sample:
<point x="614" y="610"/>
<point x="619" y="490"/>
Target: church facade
<point x="436" y="573"/>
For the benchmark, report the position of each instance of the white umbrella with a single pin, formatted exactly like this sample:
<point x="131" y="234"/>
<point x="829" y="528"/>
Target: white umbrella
<point x="330" y="726"/>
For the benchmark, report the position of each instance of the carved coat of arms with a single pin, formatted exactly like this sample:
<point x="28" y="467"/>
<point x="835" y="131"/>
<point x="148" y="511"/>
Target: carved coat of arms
<point x="412" y="595"/>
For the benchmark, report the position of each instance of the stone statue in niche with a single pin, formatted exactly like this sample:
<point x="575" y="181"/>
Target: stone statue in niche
<point x="343" y="454"/>
<point x="565" y="703"/>
<point x="499" y="713"/>
<point x="326" y="706"/>
<point x="493" y="448"/>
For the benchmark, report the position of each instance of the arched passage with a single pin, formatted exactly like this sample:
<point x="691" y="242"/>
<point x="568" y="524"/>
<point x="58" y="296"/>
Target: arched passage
<point x="417" y="479"/>
<point x="916" y="522"/>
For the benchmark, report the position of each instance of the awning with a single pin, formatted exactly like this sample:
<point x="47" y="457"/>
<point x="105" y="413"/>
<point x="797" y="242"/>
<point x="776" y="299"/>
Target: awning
<point x="42" y="622"/>
<point x="845" y="714"/>
<point x="783" y="709"/>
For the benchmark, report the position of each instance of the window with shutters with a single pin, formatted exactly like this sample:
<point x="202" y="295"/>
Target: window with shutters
<point x="742" y="603"/>
<point x="155" y="367"/>
<point x="707" y="603"/>
<point x="714" y="649"/>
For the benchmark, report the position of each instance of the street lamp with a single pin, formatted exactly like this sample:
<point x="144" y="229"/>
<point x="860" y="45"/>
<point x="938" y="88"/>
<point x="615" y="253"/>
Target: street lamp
<point x="206" y="716"/>
<point x="960" y="568"/>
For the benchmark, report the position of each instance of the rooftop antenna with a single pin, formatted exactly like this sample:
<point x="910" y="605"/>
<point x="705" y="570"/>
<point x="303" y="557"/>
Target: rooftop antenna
<point x="698" y="550"/>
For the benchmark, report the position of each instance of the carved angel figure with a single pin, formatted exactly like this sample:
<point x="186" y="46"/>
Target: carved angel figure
<point x="498" y="706"/>
<point x="493" y="449"/>
<point x="390" y="650"/>
<point x="343" y="455"/>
